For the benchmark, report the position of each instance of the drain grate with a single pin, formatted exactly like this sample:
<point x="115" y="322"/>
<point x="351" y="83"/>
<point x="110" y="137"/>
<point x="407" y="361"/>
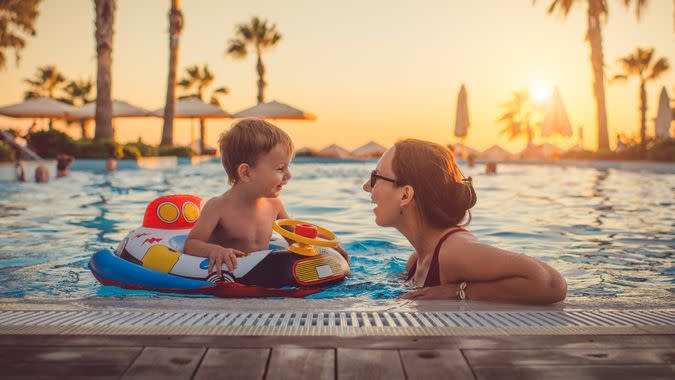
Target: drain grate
<point x="348" y="323"/>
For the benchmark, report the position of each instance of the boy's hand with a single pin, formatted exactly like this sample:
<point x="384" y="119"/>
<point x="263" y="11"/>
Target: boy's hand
<point x="227" y="256"/>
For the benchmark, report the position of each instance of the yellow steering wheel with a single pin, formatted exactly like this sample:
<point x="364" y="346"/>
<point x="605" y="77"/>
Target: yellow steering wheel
<point x="304" y="245"/>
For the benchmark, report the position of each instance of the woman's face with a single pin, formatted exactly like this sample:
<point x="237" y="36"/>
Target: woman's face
<point x="385" y="195"/>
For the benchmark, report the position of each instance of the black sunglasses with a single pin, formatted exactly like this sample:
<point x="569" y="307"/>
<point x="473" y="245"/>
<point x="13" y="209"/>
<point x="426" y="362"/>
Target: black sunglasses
<point x="374" y="177"/>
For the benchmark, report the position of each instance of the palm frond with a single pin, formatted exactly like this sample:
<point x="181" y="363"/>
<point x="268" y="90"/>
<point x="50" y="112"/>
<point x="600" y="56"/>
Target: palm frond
<point x="660" y="67"/>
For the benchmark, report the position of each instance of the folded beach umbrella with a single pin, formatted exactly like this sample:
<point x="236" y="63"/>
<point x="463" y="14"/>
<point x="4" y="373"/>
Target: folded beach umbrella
<point x="120" y="108"/>
<point x="275" y="110"/>
<point x="556" y="120"/>
<point x="664" y="115"/>
<point x="462" y="114"/>
<point x="38" y="107"/>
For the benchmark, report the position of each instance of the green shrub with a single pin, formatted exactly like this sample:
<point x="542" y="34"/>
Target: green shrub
<point x="663" y="150"/>
<point x="6" y="152"/>
<point x="99" y="149"/>
<point x="144" y="149"/>
<point x="51" y="143"/>
<point x="130" y="152"/>
<point x="179" y="151"/>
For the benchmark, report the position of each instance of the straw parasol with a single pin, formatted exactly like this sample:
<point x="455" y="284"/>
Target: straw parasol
<point x="275" y="110"/>
<point x="120" y="108"/>
<point x="495" y="153"/>
<point x="194" y="108"/>
<point x="334" y="151"/>
<point x="38" y="107"/>
<point x="663" y="116"/>
<point x="371" y="149"/>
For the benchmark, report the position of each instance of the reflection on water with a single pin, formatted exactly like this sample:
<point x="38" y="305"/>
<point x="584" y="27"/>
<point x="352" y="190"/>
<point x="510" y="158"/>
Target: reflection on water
<point x="609" y="231"/>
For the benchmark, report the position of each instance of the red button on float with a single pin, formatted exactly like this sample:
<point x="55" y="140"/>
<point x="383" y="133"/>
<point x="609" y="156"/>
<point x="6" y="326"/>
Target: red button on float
<point x="306" y="230"/>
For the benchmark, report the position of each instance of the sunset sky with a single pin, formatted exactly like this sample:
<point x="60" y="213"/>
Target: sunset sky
<point x="370" y="70"/>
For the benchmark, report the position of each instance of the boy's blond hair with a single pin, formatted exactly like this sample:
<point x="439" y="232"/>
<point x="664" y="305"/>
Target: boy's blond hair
<point x="246" y="141"/>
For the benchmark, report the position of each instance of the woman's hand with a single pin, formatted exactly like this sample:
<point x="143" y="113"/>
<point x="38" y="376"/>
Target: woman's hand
<point x="445" y="292"/>
<point x="342" y="252"/>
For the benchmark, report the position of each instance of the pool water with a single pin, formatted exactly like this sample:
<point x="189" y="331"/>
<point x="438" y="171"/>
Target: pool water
<point x="610" y="232"/>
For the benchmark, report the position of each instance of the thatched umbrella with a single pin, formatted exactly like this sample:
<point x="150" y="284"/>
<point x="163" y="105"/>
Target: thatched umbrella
<point x="38" y="107"/>
<point x="275" y="110"/>
<point x="194" y="108"/>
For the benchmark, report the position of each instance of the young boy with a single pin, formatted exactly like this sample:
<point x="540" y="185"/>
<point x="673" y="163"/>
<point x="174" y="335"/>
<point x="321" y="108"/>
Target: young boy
<point x="256" y="155"/>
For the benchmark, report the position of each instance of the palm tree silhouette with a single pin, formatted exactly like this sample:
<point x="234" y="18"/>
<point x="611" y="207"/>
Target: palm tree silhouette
<point x="18" y="20"/>
<point x="596" y="13"/>
<point x="200" y="78"/>
<point x="260" y="36"/>
<point x="519" y="117"/>
<point x="640" y="64"/>
<point x="46" y="81"/>
<point x="79" y="93"/>
<point x="105" y="19"/>
<point x="175" y="27"/>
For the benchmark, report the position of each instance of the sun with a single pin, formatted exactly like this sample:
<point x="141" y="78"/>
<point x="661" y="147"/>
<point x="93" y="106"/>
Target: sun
<point x="540" y="91"/>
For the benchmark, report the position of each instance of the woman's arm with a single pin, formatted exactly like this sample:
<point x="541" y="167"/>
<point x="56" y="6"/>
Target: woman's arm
<point x="493" y="274"/>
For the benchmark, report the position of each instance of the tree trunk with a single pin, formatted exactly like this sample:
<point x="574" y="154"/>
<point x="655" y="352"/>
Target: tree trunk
<point x="83" y="128"/>
<point x="175" y="27"/>
<point x="643" y="116"/>
<point x="594" y="37"/>
<point x="105" y="17"/>
<point x="202" y="135"/>
<point x="261" y="78"/>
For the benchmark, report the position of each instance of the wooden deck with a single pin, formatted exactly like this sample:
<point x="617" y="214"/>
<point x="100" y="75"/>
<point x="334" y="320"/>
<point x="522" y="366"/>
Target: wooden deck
<point x="295" y="357"/>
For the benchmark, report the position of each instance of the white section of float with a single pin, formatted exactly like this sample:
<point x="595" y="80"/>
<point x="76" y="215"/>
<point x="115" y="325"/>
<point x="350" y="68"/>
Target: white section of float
<point x="141" y="241"/>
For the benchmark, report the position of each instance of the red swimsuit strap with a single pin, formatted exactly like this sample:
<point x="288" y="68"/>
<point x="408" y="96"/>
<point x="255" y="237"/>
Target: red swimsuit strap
<point x="434" y="274"/>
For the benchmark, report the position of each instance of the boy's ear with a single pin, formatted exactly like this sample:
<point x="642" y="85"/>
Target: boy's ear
<point x="244" y="172"/>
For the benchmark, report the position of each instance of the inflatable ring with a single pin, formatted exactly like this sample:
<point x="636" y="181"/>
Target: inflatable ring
<point x="305" y="236"/>
<point x="151" y="257"/>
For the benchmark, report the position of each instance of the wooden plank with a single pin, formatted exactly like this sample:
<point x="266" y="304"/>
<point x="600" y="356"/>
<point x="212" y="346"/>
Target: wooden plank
<point x="575" y="356"/>
<point x="369" y="364"/>
<point x="301" y="363"/>
<point x="233" y="363"/>
<point x="577" y="373"/>
<point x="435" y="364"/>
<point x="65" y="361"/>
<point x="165" y="363"/>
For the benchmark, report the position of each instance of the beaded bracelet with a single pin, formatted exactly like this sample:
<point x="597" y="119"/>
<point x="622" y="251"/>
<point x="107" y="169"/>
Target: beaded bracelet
<point x="461" y="294"/>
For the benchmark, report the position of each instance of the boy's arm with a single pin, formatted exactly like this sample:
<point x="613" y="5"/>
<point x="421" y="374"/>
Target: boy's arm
<point x="197" y="243"/>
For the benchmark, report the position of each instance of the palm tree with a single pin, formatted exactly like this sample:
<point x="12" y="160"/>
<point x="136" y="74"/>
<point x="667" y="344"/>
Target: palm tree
<point x="259" y="35"/>
<point x="79" y="93"/>
<point x="200" y="78"/>
<point x="596" y="12"/>
<point x="17" y="18"/>
<point x="46" y="81"/>
<point x="519" y="117"/>
<point x="175" y="27"/>
<point x="105" y="19"/>
<point x="640" y="64"/>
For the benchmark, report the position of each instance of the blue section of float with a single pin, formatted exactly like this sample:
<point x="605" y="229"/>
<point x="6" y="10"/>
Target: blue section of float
<point x="108" y="266"/>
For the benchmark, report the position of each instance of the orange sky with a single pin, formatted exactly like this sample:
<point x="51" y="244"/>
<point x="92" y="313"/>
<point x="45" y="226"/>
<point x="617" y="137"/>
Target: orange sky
<point x="371" y="70"/>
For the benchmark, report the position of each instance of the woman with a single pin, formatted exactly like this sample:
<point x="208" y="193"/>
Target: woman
<point x="419" y="190"/>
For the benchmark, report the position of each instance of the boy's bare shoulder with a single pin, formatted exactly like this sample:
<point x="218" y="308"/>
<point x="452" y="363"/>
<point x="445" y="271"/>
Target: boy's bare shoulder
<point x="216" y="202"/>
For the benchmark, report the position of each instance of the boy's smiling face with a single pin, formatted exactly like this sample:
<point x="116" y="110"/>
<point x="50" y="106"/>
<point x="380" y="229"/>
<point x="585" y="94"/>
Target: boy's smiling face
<point x="272" y="172"/>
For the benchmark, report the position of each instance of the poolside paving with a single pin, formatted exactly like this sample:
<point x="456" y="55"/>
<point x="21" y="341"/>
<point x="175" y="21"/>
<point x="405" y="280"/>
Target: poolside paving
<point x="298" y="357"/>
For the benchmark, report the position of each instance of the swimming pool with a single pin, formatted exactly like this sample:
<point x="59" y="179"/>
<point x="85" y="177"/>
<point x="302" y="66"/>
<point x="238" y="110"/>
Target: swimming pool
<point x="609" y="231"/>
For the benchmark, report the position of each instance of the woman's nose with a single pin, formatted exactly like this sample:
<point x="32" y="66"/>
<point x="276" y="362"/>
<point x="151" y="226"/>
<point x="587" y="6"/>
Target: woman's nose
<point x="366" y="186"/>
